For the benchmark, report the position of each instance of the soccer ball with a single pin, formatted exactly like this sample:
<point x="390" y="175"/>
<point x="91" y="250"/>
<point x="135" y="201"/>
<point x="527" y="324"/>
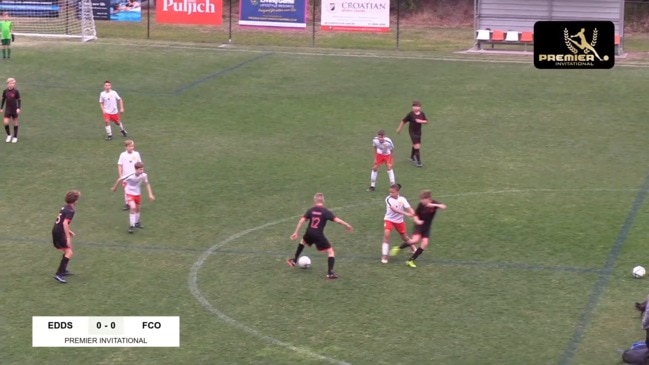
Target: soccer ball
<point x="304" y="262"/>
<point x="639" y="272"/>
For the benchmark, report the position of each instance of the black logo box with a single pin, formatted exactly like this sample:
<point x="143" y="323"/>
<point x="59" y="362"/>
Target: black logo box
<point x="550" y="39"/>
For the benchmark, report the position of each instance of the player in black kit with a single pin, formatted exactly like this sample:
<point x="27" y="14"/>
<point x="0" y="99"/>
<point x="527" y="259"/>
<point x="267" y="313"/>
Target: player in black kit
<point x="317" y="216"/>
<point x="424" y="215"/>
<point x="62" y="235"/>
<point x="415" y="119"/>
<point x="10" y="106"/>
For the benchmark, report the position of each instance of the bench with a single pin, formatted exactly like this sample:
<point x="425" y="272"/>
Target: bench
<point x="494" y="37"/>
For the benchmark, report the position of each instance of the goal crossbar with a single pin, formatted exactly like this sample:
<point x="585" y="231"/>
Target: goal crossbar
<point x="71" y="20"/>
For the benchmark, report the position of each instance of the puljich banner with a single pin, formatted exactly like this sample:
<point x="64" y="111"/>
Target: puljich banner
<point x="273" y="13"/>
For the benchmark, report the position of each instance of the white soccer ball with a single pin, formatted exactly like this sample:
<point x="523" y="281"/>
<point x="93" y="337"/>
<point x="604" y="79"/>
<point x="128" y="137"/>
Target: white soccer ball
<point x="304" y="262"/>
<point x="639" y="272"/>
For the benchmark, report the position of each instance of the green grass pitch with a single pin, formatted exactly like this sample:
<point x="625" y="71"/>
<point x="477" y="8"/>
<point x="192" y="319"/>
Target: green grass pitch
<point x="544" y="174"/>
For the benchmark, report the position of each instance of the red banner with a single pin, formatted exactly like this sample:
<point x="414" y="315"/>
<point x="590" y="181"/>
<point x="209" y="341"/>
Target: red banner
<point x="209" y="12"/>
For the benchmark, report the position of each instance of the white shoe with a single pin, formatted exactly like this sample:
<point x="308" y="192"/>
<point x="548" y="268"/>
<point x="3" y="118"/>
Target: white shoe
<point x="384" y="259"/>
<point x="14" y="140"/>
<point x="8" y="139"/>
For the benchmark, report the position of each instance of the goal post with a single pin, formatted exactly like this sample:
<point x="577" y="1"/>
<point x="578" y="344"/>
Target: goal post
<point x="51" y="18"/>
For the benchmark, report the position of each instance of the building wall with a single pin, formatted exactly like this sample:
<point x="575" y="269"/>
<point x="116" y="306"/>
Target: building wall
<point x="520" y="15"/>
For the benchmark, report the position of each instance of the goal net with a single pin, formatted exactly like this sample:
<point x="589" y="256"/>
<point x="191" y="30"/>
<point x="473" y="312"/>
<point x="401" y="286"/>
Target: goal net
<point x="51" y="18"/>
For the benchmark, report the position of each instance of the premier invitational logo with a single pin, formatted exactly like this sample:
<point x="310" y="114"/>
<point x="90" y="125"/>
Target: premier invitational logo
<point x="585" y="44"/>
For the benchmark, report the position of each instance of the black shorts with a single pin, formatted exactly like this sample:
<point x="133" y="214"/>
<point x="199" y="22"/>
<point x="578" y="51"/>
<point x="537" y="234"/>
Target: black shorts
<point x="415" y="138"/>
<point x="59" y="241"/>
<point x="321" y="242"/>
<point x="11" y="114"/>
<point x="422" y="231"/>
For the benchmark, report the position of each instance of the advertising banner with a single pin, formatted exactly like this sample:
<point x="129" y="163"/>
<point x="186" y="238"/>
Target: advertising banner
<point x="31" y="8"/>
<point x="205" y="12"/>
<point x="355" y="15"/>
<point x="117" y="10"/>
<point x="273" y="13"/>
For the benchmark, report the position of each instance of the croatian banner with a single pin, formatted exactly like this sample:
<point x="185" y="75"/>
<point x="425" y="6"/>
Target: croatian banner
<point x="355" y="15"/>
<point x="273" y="13"/>
<point x="207" y="12"/>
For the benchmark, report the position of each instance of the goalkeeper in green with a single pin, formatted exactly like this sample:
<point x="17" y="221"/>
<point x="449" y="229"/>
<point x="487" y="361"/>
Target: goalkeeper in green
<point x="6" y="28"/>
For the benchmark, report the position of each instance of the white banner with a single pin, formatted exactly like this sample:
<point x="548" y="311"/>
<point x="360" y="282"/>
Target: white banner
<point x="355" y="15"/>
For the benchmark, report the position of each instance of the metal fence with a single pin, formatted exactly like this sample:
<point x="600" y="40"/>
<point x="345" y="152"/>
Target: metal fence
<point x="446" y="25"/>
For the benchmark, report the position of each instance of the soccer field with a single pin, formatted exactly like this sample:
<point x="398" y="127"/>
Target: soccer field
<point x="544" y="173"/>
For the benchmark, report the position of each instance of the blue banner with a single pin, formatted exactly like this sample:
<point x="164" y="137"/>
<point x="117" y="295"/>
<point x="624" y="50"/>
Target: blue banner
<point x="117" y="10"/>
<point x="32" y="8"/>
<point x="273" y="13"/>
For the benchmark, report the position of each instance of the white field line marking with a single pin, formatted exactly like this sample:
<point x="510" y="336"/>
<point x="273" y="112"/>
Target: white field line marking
<point x="198" y="264"/>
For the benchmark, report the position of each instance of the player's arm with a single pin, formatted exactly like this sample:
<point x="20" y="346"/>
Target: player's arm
<point x="66" y="229"/>
<point x="423" y="119"/>
<point x="300" y="222"/>
<point x="418" y="221"/>
<point x="400" y="127"/>
<point x="18" y="101"/>
<point x="437" y="205"/>
<point x="121" y="105"/>
<point x="120" y="170"/>
<point x="101" y="105"/>
<point x="4" y="99"/>
<point x="148" y="189"/>
<point x="342" y="222"/>
<point x="119" y="179"/>
<point x="409" y="212"/>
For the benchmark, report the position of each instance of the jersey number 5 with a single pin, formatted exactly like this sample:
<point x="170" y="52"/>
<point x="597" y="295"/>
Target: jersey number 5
<point x="58" y="219"/>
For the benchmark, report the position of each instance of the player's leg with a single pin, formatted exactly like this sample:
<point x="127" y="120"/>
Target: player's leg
<point x="407" y="242"/>
<point x="331" y="261"/>
<point x="60" y="243"/>
<point x="138" y="206"/>
<point x="291" y="261"/>
<point x="8" y="48"/>
<point x="385" y="247"/>
<point x="116" y="119"/>
<point x="420" y="250"/>
<point x="5" y="121"/>
<point x="416" y="144"/>
<point x="4" y="48"/>
<point x="405" y="238"/>
<point x="373" y="175"/>
<point x="109" y="131"/>
<point x="15" y="137"/>
<point x="63" y="266"/>
<point x="132" y="213"/>
<point x="126" y="205"/>
<point x="388" y="166"/>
